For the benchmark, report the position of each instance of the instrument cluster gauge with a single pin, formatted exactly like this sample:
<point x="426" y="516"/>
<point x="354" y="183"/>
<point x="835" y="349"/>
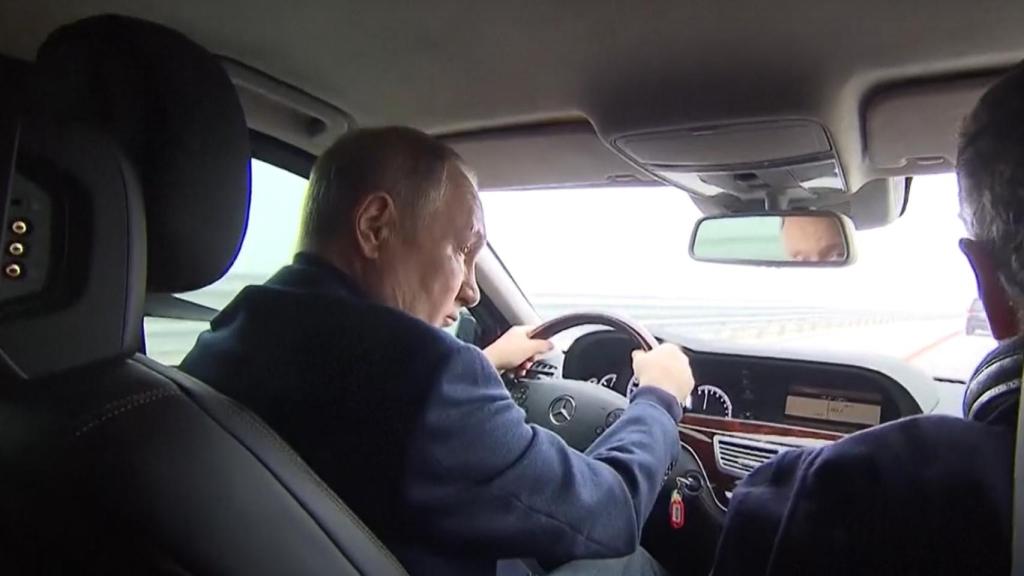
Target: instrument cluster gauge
<point x="632" y="386"/>
<point x="608" y="380"/>
<point x="712" y="401"/>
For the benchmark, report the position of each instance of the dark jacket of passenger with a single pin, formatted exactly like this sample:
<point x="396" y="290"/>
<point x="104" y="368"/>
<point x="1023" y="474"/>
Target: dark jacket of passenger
<point x="927" y="495"/>
<point x="416" y="432"/>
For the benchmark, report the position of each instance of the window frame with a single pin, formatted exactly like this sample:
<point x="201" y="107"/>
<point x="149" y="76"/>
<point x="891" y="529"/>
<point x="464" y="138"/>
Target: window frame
<point x="278" y="153"/>
<point x="264" y="148"/>
<point x="275" y="152"/>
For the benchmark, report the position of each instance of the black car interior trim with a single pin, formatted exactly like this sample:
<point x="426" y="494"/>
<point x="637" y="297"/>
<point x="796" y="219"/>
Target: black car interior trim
<point x="175" y="307"/>
<point x="281" y="154"/>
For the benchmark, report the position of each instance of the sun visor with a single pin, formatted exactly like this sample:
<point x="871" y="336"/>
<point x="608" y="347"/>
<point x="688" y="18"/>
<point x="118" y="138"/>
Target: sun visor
<point x="914" y="127"/>
<point x="566" y="154"/>
<point x="780" y="161"/>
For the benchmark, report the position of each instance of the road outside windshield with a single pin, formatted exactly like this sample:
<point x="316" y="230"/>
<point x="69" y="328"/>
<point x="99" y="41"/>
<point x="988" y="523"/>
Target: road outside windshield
<point x="625" y="250"/>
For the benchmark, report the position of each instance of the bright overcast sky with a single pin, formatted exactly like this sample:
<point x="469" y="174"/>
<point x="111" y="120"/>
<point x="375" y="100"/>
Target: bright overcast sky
<point x="633" y="242"/>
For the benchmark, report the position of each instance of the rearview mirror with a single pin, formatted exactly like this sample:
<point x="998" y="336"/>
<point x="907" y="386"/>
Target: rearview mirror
<point x="818" y="238"/>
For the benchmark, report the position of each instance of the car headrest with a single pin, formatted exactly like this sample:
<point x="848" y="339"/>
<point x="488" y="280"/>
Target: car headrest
<point x="173" y="109"/>
<point x="993" y="391"/>
<point x="13" y="72"/>
<point x="73" y="266"/>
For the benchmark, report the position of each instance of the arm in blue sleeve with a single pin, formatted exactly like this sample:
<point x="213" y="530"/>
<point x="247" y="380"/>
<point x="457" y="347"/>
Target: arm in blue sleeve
<point x="480" y="477"/>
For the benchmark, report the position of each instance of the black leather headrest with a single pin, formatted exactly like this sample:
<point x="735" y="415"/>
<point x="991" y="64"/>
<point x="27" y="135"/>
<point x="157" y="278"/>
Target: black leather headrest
<point x="13" y="73"/>
<point x="73" y="291"/>
<point x="175" y="112"/>
<point x="994" y="389"/>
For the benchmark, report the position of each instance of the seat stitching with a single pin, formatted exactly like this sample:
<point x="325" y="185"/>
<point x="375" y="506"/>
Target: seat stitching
<point x="134" y="402"/>
<point x="132" y="398"/>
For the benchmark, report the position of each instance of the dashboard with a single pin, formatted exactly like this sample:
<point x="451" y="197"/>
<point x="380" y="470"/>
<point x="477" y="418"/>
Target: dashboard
<point x="820" y="396"/>
<point x="746" y="409"/>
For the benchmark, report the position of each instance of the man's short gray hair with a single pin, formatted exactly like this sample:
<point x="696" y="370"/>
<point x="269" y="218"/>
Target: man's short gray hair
<point x="410" y="166"/>
<point x="990" y="170"/>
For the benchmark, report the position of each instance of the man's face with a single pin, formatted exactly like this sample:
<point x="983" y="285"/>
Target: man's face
<point x="431" y="272"/>
<point x="813" y="239"/>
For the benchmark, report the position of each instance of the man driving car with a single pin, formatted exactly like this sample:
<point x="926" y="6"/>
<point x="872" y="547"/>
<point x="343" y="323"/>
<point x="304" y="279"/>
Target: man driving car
<point x="812" y="239"/>
<point x="341" y="354"/>
<point x="927" y="494"/>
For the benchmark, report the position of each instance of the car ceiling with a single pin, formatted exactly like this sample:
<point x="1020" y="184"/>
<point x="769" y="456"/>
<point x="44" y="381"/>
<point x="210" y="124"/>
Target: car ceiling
<point x="463" y="67"/>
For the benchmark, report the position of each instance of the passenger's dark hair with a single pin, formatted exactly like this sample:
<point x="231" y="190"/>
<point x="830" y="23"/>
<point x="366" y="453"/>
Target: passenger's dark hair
<point x="409" y="165"/>
<point x="990" y="170"/>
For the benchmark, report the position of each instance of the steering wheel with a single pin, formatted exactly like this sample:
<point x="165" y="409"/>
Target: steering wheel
<point x="577" y="411"/>
<point x="581" y="411"/>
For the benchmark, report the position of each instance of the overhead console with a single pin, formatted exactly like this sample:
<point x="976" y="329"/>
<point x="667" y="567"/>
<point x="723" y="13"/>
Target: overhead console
<point x="776" y="163"/>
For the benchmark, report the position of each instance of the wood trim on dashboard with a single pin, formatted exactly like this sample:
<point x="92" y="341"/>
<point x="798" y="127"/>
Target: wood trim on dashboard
<point x="698" y="433"/>
<point x="717" y="424"/>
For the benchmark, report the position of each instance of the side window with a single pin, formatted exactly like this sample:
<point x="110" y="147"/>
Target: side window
<point x="466" y="329"/>
<point x="274" y="216"/>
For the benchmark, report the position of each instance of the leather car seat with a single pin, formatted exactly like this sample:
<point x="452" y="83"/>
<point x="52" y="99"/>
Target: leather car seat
<point x="128" y="170"/>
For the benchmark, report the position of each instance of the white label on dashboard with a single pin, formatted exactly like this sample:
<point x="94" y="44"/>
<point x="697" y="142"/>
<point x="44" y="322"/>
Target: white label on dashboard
<point x="854" y="412"/>
<point x="834" y="410"/>
<point x="807" y="407"/>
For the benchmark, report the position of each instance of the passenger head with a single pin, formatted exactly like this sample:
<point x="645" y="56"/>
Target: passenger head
<point x="990" y="170"/>
<point x="812" y="239"/>
<point x="398" y="210"/>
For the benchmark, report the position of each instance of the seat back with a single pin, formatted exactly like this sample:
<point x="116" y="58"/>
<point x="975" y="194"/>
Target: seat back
<point x="130" y="161"/>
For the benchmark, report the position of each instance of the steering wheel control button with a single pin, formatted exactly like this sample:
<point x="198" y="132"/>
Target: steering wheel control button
<point x="520" y="393"/>
<point x="561" y="410"/>
<point x="608" y="380"/>
<point x="612" y="417"/>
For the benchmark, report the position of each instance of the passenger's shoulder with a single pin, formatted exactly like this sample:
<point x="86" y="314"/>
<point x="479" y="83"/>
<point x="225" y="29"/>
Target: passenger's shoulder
<point x="336" y="317"/>
<point x="914" y="434"/>
<point x="899" y="449"/>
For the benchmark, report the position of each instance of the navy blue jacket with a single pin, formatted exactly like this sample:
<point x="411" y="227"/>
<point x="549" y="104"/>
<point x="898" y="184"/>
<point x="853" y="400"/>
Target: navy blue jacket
<point x="416" y="432"/>
<point x="924" y="495"/>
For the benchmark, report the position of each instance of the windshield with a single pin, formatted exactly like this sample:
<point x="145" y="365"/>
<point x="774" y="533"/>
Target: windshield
<point x="909" y="295"/>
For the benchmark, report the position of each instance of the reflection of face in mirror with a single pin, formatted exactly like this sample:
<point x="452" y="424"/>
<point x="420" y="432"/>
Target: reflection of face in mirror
<point x="813" y="239"/>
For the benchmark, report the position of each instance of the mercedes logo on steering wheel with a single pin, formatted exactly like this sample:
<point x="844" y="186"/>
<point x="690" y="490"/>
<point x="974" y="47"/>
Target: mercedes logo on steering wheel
<point x="561" y="410"/>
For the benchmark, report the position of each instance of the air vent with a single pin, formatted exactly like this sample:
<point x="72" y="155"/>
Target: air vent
<point x="739" y="456"/>
<point x="542" y="369"/>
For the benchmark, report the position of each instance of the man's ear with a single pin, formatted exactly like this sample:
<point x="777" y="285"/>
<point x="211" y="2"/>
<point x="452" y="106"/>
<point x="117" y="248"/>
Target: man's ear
<point x="1001" y="316"/>
<point x="375" y="221"/>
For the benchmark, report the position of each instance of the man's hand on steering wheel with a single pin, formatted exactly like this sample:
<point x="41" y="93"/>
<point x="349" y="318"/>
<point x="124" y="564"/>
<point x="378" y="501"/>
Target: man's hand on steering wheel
<point x="577" y="410"/>
<point x="665" y="367"/>
<point x="516" y="350"/>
